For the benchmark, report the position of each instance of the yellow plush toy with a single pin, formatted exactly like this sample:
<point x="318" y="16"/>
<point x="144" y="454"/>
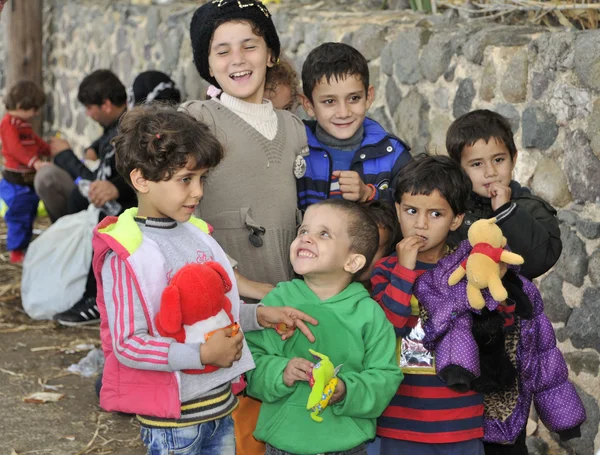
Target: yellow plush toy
<point x="482" y="266"/>
<point x="323" y="380"/>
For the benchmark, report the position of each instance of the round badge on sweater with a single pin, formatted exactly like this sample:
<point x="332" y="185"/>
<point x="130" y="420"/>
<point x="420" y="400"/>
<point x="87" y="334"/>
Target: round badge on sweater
<point x="299" y="167"/>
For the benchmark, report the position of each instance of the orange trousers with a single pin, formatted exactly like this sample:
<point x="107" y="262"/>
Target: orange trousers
<point x="245" y="417"/>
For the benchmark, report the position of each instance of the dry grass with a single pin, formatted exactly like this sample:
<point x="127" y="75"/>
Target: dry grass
<point x="576" y="14"/>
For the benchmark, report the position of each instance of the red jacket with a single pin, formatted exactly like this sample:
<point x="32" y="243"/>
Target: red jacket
<point x="21" y="147"/>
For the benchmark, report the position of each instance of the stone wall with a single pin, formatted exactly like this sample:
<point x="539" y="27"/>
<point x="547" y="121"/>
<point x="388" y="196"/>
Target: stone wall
<point x="426" y="71"/>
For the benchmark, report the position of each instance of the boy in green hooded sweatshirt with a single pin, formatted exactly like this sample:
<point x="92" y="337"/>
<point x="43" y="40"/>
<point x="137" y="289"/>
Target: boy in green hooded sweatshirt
<point x="336" y="241"/>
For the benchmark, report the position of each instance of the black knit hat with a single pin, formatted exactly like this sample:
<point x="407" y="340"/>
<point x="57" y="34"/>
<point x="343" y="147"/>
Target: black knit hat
<point x="152" y="86"/>
<point x="215" y="12"/>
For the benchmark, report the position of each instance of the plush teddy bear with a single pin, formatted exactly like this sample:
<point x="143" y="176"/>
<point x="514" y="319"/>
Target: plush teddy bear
<point x="482" y="266"/>
<point x="194" y="306"/>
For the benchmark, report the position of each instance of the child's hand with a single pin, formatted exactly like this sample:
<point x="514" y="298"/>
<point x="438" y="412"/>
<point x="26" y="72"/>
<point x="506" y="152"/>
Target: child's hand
<point x="352" y="187"/>
<point x="272" y="317"/>
<point x="102" y="191"/>
<point x="58" y="145"/>
<point x="499" y="194"/>
<point x="297" y="369"/>
<point x="37" y="165"/>
<point x="339" y="393"/>
<point x="90" y="154"/>
<point x="408" y="249"/>
<point x="222" y="349"/>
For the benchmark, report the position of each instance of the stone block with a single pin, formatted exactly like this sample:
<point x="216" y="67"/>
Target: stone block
<point x="550" y="183"/>
<point x="588" y="228"/>
<point x="464" y="98"/>
<point x="412" y="121"/>
<point x="375" y="76"/>
<point x="540" y="82"/>
<point x="380" y="115"/>
<point x="594" y="268"/>
<point x="405" y="55"/>
<point x="514" y="82"/>
<point x="573" y="263"/>
<point x="583" y="361"/>
<point x="495" y="36"/>
<point x="582" y="167"/>
<point x="512" y="115"/>
<point x="539" y="128"/>
<point x="369" y="40"/>
<point x="487" y="87"/>
<point x="436" y="56"/>
<point x="567" y="103"/>
<point x="554" y="51"/>
<point x="593" y="128"/>
<point x="587" y="58"/>
<point x="441" y="97"/>
<point x="393" y="95"/>
<point x="555" y="306"/>
<point x="585" y="320"/>
<point x="536" y="446"/>
<point x="567" y="216"/>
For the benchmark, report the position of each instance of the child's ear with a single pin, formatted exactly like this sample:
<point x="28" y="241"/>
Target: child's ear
<point x="271" y="62"/>
<point x="370" y="96"/>
<point x="456" y="222"/>
<point x="307" y="105"/>
<point x="138" y="181"/>
<point x="355" y="263"/>
<point x="107" y="106"/>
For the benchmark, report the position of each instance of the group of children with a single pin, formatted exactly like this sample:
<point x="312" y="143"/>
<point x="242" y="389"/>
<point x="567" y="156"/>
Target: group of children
<point x="372" y="221"/>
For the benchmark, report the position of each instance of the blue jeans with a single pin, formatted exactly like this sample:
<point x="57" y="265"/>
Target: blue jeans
<point x="22" y="203"/>
<point x="210" y="438"/>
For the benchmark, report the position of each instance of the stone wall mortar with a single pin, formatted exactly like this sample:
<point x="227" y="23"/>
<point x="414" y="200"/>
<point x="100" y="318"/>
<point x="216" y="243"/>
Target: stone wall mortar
<point x="426" y="71"/>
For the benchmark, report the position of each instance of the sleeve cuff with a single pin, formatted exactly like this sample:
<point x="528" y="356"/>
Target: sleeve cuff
<point x="248" y="319"/>
<point x="184" y="356"/>
<point x="405" y="274"/>
<point x="504" y="212"/>
<point x="571" y="433"/>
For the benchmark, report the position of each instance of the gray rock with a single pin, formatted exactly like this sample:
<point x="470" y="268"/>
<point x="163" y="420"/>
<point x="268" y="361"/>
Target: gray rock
<point x="369" y="40"/>
<point x="555" y="306"/>
<point x="573" y="262"/>
<point x="555" y="51"/>
<point x="387" y="61"/>
<point x="449" y="74"/>
<point x="561" y="334"/>
<point x="550" y="183"/>
<point x="374" y="76"/>
<point x="587" y="59"/>
<point x="569" y="102"/>
<point x="594" y="268"/>
<point x="585" y="320"/>
<point x="582" y="168"/>
<point x="170" y="48"/>
<point x="380" y="115"/>
<point x="80" y="123"/>
<point x="536" y="446"/>
<point x="514" y="82"/>
<point x="393" y="95"/>
<point x="593" y="128"/>
<point x="297" y="37"/>
<point x="588" y="228"/>
<point x="539" y="128"/>
<point x="585" y="361"/>
<point x="494" y="36"/>
<point x="567" y="216"/>
<point x="464" y="98"/>
<point x="405" y="55"/>
<point x="436" y="56"/>
<point x="540" y="82"/>
<point x="585" y="444"/>
<point x="152" y="22"/>
<point x="509" y="111"/>
<point x="487" y="87"/>
<point x="122" y="40"/>
<point x="412" y="121"/>
<point x="440" y="98"/>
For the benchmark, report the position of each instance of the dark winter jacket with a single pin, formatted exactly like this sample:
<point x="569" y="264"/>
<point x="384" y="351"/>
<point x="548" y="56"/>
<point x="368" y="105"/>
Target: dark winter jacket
<point x="378" y="161"/>
<point x="542" y="371"/>
<point x="529" y="224"/>
<point x="107" y="170"/>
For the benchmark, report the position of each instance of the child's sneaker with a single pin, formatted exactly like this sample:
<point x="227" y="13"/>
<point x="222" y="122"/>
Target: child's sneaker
<point x="17" y="256"/>
<point x="84" y="312"/>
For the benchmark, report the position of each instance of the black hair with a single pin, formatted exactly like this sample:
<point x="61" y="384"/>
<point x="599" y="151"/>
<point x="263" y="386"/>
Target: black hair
<point x="159" y="140"/>
<point x="333" y="61"/>
<point x="427" y="173"/>
<point x="99" y="86"/>
<point x="481" y="124"/>
<point x="362" y="230"/>
<point x="385" y="217"/>
<point x="25" y="95"/>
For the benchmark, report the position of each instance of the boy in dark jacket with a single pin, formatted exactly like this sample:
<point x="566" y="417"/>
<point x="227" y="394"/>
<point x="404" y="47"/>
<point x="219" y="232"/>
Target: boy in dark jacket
<point x="351" y="156"/>
<point x="482" y="142"/>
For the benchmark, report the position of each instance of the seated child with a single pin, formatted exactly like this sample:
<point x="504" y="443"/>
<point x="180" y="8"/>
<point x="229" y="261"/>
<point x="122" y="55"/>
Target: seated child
<point x="22" y="150"/>
<point x="482" y="143"/>
<point x="335" y="243"/>
<point x="165" y="156"/>
<point x="425" y="416"/>
<point x="351" y="156"/>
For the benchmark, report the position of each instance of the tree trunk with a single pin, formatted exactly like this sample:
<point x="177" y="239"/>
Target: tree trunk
<point x="22" y="21"/>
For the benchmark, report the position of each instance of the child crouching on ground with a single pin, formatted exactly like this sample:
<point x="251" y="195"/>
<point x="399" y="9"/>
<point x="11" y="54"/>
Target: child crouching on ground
<point x="336" y="240"/>
<point x="165" y="156"/>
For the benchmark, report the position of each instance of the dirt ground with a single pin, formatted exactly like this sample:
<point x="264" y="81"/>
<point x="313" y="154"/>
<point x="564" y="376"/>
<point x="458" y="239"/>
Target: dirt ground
<point x="34" y="357"/>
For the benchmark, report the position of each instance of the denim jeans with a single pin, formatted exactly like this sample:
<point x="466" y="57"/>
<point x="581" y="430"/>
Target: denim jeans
<point x="211" y="438"/>
<point x="359" y="450"/>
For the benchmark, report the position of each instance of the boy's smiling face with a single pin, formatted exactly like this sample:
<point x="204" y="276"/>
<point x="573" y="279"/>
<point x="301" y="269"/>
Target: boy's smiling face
<point x="429" y="217"/>
<point x="340" y="105"/>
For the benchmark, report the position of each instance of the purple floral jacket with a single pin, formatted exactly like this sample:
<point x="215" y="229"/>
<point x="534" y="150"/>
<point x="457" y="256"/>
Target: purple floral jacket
<point x="542" y="371"/>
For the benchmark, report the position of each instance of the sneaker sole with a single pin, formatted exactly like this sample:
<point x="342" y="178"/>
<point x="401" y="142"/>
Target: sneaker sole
<point x="77" y="324"/>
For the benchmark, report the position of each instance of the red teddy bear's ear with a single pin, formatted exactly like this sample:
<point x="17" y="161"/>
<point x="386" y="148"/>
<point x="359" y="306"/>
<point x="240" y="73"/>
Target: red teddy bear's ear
<point x="168" y="320"/>
<point x="221" y="271"/>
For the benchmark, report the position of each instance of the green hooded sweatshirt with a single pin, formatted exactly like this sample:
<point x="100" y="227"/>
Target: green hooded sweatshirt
<point x="353" y="331"/>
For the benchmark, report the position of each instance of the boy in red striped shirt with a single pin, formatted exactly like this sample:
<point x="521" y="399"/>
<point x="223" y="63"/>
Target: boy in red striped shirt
<point x="425" y="416"/>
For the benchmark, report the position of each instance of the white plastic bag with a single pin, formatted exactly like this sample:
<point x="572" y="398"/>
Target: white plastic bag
<point x="56" y="265"/>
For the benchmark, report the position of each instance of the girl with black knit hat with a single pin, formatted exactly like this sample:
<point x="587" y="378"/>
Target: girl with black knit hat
<point x="250" y="198"/>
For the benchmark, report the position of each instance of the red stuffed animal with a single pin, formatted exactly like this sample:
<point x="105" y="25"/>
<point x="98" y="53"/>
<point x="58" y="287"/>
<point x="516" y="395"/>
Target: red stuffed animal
<point x="194" y="306"/>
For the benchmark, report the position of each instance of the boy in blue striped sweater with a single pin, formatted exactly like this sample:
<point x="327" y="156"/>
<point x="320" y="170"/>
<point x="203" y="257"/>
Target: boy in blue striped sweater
<point x="425" y="416"/>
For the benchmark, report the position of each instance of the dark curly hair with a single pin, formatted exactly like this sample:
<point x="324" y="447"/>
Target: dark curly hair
<point x="158" y="140"/>
<point x="25" y="95"/>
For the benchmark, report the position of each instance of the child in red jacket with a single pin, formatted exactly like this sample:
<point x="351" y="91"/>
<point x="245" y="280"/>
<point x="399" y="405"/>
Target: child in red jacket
<point x="22" y="149"/>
